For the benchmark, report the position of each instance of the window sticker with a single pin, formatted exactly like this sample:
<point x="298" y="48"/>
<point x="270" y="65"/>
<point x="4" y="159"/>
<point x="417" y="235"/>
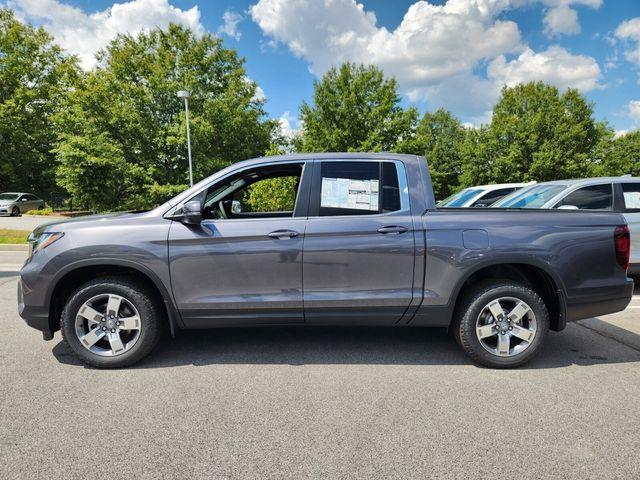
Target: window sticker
<point x="351" y="194"/>
<point x="632" y="199"/>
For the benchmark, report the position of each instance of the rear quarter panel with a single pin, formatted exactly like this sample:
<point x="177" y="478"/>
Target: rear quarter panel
<point x="574" y="248"/>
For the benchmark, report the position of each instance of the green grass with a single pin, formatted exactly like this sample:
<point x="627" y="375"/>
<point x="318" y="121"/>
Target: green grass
<point x="43" y="211"/>
<point x="13" y="236"/>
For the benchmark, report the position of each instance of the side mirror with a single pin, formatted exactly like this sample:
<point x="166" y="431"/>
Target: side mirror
<point x="191" y="213"/>
<point x="236" y="207"/>
<point x="23" y="199"/>
<point x="568" y="207"/>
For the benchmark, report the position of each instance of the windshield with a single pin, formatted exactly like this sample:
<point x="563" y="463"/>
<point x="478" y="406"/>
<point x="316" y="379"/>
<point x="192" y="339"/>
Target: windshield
<point x="459" y="199"/>
<point x="534" y="197"/>
<point x="8" y="196"/>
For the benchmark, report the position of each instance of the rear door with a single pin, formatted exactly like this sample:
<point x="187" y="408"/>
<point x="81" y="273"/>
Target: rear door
<point x="631" y="212"/>
<point x="359" y="243"/>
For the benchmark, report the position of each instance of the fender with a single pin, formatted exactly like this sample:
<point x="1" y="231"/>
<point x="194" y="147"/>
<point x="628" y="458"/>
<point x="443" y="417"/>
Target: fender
<point x="516" y="259"/>
<point x="174" y="315"/>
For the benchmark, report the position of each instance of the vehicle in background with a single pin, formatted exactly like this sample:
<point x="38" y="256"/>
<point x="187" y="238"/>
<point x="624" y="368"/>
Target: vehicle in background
<point x="14" y="204"/>
<point x="620" y="194"/>
<point x="481" y="196"/>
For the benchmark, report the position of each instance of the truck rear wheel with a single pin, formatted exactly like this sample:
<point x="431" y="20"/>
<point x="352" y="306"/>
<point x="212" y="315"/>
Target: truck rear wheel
<point x="111" y="322"/>
<point x="501" y="324"/>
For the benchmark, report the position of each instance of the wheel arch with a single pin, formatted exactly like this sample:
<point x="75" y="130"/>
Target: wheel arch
<point x="537" y="276"/>
<point x="74" y="275"/>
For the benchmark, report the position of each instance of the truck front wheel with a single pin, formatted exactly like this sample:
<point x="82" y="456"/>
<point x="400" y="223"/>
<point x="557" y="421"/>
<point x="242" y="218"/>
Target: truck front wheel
<point x="111" y="322"/>
<point x="501" y="324"/>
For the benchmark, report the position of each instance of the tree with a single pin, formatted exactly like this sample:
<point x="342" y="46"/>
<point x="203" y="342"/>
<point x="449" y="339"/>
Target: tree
<point x="34" y="76"/>
<point x="355" y="108"/>
<point x="536" y="133"/>
<point x="621" y="156"/>
<point x="439" y="138"/>
<point x="125" y="118"/>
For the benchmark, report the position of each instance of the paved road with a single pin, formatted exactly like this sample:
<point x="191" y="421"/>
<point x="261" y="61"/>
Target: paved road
<point x="25" y="222"/>
<point x="318" y="403"/>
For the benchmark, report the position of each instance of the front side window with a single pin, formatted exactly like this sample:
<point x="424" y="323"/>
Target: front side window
<point x="631" y="195"/>
<point x="594" y="197"/>
<point x="359" y="188"/>
<point x="264" y="192"/>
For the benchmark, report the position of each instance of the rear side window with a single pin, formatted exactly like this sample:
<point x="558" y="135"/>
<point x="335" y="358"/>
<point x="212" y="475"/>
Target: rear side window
<point x="594" y="197"/>
<point x="631" y="195"/>
<point x="358" y="188"/>
<point x="491" y="197"/>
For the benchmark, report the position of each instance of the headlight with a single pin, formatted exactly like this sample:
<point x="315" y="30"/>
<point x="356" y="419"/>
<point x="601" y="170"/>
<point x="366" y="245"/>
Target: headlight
<point x="43" y="240"/>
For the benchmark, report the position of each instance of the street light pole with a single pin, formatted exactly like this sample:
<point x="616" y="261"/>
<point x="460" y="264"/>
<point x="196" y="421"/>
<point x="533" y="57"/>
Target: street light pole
<point x="184" y="95"/>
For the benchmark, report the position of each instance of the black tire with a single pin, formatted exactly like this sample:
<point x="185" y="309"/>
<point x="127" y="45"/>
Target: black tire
<point x="15" y="212"/>
<point x="470" y="308"/>
<point x="150" y="312"/>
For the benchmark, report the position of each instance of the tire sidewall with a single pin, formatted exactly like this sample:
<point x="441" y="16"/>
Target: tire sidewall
<point x="15" y="212"/>
<point x="140" y="299"/>
<point x="466" y="331"/>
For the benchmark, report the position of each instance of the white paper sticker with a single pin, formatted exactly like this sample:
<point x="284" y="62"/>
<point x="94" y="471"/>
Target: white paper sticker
<point x="632" y="199"/>
<point x="348" y="193"/>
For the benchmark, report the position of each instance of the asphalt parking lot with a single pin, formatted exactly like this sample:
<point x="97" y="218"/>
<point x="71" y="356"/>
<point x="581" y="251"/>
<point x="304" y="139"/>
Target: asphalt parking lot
<point x="320" y="403"/>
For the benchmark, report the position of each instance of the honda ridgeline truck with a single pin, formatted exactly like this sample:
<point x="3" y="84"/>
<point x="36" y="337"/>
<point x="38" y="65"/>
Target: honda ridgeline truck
<point x="322" y="239"/>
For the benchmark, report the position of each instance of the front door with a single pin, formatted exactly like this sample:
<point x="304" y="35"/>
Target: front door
<point x="359" y="244"/>
<point x="243" y="263"/>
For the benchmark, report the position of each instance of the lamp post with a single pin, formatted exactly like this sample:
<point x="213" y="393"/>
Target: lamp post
<point x="184" y="95"/>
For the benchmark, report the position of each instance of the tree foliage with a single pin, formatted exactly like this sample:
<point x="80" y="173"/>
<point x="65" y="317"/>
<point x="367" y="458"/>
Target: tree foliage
<point x="535" y="133"/>
<point x="125" y="118"/>
<point x="439" y="137"/>
<point x="621" y="156"/>
<point x="355" y="108"/>
<point x="34" y="76"/>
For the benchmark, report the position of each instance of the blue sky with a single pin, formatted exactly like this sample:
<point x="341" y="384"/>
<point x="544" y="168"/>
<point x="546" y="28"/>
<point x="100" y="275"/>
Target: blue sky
<point x="454" y="54"/>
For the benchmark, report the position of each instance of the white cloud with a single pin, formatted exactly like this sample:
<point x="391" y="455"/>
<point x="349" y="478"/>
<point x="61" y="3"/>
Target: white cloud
<point x="561" y="19"/>
<point x="436" y="51"/>
<point x="629" y="32"/>
<point x="554" y="65"/>
<point x="620" y="133"/>
<point x="230" y="26"/>
<point x="633" y="110"/>
<point x="84" y="34"/>
<point x="289" y="125"/>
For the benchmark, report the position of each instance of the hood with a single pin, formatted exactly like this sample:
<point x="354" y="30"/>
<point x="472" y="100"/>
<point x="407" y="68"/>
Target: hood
<point x="60" y="225"/>
<point x="4" y="203"/>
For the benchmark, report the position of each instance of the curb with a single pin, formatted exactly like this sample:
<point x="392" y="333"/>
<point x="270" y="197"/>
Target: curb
<point x="14" y="247"/>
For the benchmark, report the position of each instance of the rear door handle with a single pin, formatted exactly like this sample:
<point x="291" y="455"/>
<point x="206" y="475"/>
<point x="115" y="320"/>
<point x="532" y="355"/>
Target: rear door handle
<point x="397" y="229"/>
<point x="282" y="234"/>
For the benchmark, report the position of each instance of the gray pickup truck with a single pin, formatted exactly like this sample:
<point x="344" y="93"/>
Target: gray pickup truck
<point x="323" y="239"/>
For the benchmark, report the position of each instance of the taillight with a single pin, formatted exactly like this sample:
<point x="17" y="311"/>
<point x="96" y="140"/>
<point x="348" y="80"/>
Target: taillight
<point x="622" y="241"/>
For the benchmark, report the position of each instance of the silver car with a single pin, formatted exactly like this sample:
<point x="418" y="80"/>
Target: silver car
<point x="620" y="194"/>
<point x="14" y="204"/>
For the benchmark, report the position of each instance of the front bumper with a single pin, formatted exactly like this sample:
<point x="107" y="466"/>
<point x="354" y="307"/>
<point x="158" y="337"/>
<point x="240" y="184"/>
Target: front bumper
<point x="34" y="316"/>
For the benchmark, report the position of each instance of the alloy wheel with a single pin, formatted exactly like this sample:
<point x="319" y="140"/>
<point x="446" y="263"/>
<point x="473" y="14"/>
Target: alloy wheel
<point x="506" y="326"/>
<point x="108" y="325"/>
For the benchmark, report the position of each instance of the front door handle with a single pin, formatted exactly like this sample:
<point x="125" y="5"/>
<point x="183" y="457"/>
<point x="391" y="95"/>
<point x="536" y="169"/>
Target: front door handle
<point x="396" y="229"/>
<point x="282" y="234"/>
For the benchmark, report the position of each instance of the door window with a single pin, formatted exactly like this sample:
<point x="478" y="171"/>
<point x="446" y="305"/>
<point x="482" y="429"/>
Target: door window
<point x="359" y="188"/>
<point x="594" y="197"/>
<point x="631" y="195"/>
<point x="491" y="197"/>
<point x="264" y="192"/>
